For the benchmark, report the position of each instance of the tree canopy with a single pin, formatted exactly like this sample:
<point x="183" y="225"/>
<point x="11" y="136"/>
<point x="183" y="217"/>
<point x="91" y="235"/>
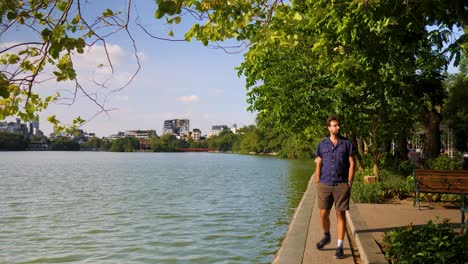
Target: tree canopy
<point x="377" y="64"/>
<point x="53" y="33"/>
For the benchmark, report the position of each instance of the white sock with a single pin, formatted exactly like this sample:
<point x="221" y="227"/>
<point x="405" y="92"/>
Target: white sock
<point x="340" y="243"/>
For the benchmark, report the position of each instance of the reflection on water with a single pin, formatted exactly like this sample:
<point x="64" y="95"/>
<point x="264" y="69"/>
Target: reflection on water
<point x="88" y="207"/>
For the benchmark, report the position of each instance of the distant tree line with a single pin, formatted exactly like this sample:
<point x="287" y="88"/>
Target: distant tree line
<point x="267" y="138"/>
<point x="10" y="141"/>
<point x="248" y="140"/>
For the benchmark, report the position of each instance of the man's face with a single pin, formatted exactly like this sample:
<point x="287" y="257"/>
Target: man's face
<point x="334" y="128"/>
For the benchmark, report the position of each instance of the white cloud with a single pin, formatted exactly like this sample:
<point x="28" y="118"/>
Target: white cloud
<point x="188" y="99"/>
<point x="97" y="54"/>
<point x="121" y="98"/>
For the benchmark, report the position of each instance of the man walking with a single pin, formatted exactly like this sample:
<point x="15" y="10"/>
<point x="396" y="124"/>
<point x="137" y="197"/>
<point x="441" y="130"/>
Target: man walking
<point x="334" y="175"/>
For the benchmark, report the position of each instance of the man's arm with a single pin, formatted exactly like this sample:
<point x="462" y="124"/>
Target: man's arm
<point x="351" y="169"/>
<point x="318" y="168"/>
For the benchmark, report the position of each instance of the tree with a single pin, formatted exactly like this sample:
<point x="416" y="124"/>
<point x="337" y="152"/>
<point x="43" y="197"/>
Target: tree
<point x="11" y="141"/>
<point x="367" y="61"/>
<point x="64" y="144"/>
<point x="57" y="31"/>
<point x="127" y="144"/>
<point x="455" y="108"/>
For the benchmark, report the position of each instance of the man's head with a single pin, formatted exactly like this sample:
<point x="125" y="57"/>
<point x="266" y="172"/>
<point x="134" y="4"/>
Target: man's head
<point x="333" y="125"/>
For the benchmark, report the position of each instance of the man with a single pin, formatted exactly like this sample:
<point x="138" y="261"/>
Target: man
<point x="334" y="175"/>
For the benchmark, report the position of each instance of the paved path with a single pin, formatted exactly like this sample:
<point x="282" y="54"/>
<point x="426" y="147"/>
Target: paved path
<point x="305" y="230"/>
<point x="366" y="224"/>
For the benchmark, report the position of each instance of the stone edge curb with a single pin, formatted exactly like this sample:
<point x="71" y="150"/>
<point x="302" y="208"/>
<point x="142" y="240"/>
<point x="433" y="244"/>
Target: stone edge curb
<point x="369" y="251"/>
<point x="293" y="246"/>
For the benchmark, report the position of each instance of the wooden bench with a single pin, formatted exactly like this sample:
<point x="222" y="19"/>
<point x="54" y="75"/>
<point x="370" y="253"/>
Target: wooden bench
<point x="444" y="182"/>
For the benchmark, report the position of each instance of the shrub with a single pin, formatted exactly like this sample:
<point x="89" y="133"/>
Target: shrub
<point x="366" y="193"/>
<point x="389" y="186"/>
<point x="444" y="162"/>
<point x="430" y="243"/>
<point x="406" y="168"/>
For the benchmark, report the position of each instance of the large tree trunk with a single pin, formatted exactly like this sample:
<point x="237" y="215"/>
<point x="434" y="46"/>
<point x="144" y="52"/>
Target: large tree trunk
<point x="358" y="152"/>
<point x="401" y="145"/>
<point x="432" y="143"/>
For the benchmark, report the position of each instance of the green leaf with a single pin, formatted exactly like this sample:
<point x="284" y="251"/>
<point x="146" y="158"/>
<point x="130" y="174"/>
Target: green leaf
<point x="11" y="15"/>
<point x="53" y="119"/>
<point x="297" y="16"/>
<point x="4" y="92"/>
<point x="76" y="20"/>
<point x="61" y="5"/>
<point x="13" y="59"/>
<point x="108" y="13"/>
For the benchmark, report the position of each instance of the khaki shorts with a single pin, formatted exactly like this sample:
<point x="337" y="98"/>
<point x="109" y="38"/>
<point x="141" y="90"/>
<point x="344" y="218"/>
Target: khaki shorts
<point x="338" y="194"/>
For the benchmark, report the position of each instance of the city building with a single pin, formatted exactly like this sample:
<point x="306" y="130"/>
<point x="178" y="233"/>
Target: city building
<point x="234" y="128"/>
<point x="196" y="134"/>
<point x="116" y="136"/>
<point x="178" y="127"/>
<point x="79" y="135"/>
<point x="34" y="129"/>
<point x="141" y="134"/>
<point x="216" y="130"/>
<point x="14" y="127"/>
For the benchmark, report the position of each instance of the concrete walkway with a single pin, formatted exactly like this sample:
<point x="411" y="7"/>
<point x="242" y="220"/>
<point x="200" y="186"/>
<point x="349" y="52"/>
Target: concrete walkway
<point x="305" y="230"/>
<point x="367" y="224"/>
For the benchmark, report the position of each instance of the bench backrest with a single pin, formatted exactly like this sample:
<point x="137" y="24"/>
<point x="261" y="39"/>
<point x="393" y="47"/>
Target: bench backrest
<point x="441" y="181"/>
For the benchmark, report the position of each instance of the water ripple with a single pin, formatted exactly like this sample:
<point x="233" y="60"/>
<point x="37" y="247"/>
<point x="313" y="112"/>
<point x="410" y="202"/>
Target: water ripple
<point x="78" y="207"/>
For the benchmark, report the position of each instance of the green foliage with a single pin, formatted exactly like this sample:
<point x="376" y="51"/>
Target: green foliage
<point x="456" y="108"/>
<point x="10" y="141"/>
<point x="444" y="162"/>
<point x="389" y="186"/>
<point x="55" y="31"/>
<point x="64" y="144"/>
<point x="295" y="147"/>
<point x="128" y="144"/>
<point x="226" y="141"/>
<point x="367" y="61"/>
<point x="430" y="243"/>
<point x="166" y="143"/>
<point x="367" y="193"/>
<point x="406" y="168"/>
<point x="96" y="144"/>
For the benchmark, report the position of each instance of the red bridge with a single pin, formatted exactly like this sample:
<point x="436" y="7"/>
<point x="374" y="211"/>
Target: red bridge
<point x="195" y="150"/>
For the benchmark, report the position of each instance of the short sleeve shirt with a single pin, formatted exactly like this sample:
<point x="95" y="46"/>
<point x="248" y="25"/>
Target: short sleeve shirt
<point x="335" y="160"/>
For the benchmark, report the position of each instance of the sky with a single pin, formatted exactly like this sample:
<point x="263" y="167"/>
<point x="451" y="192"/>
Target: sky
<point x="177" y="80"/>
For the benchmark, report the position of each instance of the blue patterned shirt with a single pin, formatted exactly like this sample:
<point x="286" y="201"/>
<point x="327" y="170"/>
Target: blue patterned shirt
<point x="335" y="160"/>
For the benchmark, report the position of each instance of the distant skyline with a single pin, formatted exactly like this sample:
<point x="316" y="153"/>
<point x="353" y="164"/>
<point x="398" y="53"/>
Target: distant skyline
<point x="177" y="80"/>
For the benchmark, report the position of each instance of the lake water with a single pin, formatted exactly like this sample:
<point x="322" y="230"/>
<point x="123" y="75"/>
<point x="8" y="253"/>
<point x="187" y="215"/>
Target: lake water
<point x="101" y="207"/>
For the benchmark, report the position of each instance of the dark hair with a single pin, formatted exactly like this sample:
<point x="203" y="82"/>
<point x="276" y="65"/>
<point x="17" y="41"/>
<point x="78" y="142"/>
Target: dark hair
<point x="332" y="118"/>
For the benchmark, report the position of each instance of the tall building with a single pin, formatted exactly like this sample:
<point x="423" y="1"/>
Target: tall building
<point x="196" y="134"/>
<point x="177" y="127"/>
<point x="34" y="128"/>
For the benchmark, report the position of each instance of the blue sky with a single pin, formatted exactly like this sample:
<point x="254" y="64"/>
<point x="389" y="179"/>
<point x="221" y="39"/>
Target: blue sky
<point x="177" y="80"/>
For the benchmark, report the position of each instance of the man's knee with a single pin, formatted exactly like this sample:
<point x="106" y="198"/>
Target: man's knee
<point x="341" y="214"/>
<point x="324" y="213"/>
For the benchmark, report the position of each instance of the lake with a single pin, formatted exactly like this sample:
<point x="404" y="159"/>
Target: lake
<point x="102" y="207"/>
